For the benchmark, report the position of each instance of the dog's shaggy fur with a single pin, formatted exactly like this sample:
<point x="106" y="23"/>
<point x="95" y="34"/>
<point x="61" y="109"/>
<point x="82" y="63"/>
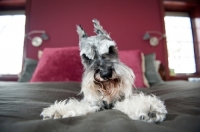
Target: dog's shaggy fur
<point x="107" y="84"/>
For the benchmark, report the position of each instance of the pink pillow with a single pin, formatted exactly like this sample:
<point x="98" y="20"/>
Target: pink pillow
<point x="64" y="64"/>
<point x="134" y="59"/>
<point x="59" y="64"/>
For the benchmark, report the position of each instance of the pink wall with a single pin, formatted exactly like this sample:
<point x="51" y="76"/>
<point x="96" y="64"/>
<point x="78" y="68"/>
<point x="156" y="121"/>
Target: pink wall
<point x="126" y="21"/>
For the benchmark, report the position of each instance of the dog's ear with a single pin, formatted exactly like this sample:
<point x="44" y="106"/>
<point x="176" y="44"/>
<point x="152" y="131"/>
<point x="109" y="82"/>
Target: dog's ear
<point x="81" y="32"/>
<point x="98" y="29"/>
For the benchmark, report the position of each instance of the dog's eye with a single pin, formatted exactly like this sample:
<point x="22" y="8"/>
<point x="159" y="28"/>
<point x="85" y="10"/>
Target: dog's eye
<point x="111" y="50"/>
<point x="105" y="56"/>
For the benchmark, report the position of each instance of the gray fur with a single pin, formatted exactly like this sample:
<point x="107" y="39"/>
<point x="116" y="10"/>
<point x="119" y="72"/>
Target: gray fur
<point x="97" y="52"/>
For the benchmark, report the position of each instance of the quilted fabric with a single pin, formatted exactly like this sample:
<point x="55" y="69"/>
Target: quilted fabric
<point x="59" y="64"/>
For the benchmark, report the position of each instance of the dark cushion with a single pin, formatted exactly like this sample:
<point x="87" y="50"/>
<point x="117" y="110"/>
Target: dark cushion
<point x="151" y="73"/>
<point x="28" y="70"/>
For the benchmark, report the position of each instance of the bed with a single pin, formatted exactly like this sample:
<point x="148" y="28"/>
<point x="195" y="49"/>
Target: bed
<point x="22" y="103"/>
<point x="57" y="76"/>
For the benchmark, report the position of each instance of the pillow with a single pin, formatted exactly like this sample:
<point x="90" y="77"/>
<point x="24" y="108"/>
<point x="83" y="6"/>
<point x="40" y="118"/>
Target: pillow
<point x="59" y="64"/>
<point x="134" y="59"/>
<point x="28" y="70"/>
<point x="64" y="64"/>
<point x="151" y="73"/>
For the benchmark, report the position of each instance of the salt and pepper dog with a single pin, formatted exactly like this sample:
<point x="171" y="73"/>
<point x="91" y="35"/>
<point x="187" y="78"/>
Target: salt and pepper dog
<point x="107" y="83"/>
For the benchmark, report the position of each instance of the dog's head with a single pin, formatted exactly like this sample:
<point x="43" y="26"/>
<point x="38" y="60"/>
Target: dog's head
<point x="98" y="52"/>
<point x="99" y="56"/>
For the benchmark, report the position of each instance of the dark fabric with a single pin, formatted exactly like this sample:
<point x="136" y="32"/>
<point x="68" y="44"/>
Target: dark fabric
<point x="28" y="70"/>
<point x="151" y="73"/>
<point x="22" y="103"/>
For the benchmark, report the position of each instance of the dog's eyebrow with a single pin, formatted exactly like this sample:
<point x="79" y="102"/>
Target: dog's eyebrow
<point x="104" y="45"/>
<point x="105" y="37"/>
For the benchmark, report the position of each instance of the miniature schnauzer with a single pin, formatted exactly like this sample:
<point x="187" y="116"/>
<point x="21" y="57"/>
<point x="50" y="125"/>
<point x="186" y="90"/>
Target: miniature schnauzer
<point x="107" y="84"/>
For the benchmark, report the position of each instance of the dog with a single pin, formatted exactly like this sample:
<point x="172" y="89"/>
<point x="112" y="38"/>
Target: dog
<point x="107" y="83"/>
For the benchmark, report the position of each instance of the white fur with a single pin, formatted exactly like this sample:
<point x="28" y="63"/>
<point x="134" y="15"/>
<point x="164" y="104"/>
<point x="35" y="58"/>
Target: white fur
<point x="141" y="105"/>
<point x="71" y="108"/>
<point x="97" y="26"/>
<point x="80" y="31"/>
<point x="105" y="44"/>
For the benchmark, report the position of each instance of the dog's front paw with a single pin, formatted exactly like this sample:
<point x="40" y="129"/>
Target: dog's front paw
<point x="50" y="115"/>
<point x="54" y="111"/>
<point x="70" y="108"/>
<point x="155" y="110"/>
<point x="153" y="116"/>
<point x="143" y="107"/>
<point x="149" y="115"/>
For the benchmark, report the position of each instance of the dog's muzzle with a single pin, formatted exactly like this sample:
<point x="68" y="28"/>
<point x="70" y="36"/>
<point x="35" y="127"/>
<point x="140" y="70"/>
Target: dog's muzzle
<point x="106" y="73"/>
<point x="108" y="83"/>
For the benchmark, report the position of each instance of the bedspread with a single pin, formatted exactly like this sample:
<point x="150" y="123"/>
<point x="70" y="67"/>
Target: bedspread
<point x="22" y="103"/>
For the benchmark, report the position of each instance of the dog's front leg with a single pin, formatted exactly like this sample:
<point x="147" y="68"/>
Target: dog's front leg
<point x="142" y="107"/>
<point x="68" y="108"/>
<point x="105" y="105"/>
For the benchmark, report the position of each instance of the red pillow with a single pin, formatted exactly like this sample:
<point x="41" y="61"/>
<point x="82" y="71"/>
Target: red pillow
<point x="59" y="64"/>
<point x="64" y="64"/>
<point x="134" y="59"/>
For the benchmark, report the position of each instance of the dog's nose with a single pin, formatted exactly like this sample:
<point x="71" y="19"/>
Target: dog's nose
<point x="106" y="74"/>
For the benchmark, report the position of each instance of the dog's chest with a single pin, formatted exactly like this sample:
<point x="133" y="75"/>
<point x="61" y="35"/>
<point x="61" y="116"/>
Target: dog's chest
<point x="111" y="98"/>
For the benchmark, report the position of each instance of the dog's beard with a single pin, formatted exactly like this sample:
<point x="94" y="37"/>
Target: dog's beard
<point x="107" y="87"/>
<point x="119" y="86"/>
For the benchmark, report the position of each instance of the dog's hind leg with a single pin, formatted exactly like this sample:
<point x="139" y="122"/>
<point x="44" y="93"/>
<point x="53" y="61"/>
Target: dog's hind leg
<point x="68" y="108"/>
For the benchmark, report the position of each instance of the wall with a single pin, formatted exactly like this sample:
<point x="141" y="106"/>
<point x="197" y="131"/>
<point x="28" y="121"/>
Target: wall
<point x="126" y="21"/>
<point x="196" y="28"/>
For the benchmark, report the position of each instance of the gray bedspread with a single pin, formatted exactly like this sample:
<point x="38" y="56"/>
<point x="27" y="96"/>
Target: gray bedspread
<point x="22" y="103"/>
